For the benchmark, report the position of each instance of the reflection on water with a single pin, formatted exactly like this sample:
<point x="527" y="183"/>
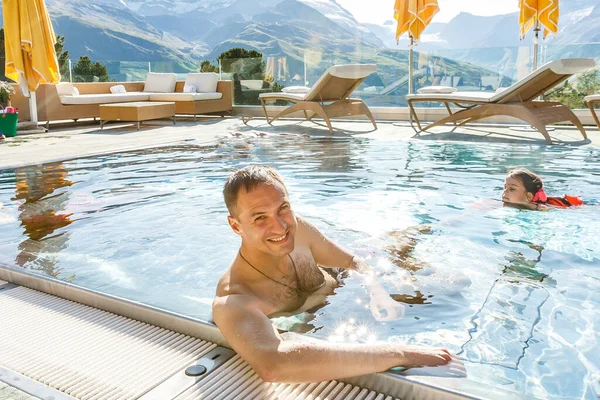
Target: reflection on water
<point x="516" y="293"/>
<point x="41" y="212"/>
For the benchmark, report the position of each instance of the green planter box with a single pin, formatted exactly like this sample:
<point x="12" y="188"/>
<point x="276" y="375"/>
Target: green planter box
<point x="8" y="124"/>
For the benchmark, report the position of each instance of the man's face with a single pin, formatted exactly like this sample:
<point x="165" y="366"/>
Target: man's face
<point x="515" y="192"/>
<point x="265" y="220"/>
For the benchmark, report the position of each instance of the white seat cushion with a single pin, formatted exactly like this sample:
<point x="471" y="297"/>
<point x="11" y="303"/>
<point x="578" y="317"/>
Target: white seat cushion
<point x="205" y="82"/>
<point x="296" y="89"/>
<point x="66" y="89"/>
<point x="160" y="82"/>
<point x="593" y="97"/>
<point x="437" y="89"/>
<point x="104" y="98"/>
<point x="185" y="96"/>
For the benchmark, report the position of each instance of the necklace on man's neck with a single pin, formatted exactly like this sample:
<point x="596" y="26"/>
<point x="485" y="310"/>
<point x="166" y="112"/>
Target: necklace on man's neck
<point x="274" y="280"/>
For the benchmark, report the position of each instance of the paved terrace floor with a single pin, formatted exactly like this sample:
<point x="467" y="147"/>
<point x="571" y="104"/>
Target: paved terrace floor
<point x="10" y="393"/>
<point x="68" y="141"/>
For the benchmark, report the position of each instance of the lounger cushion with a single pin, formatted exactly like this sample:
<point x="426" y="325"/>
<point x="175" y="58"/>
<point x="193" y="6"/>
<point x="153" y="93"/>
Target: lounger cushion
<point x="205" y="82"/>
<point x="458" y="97"/>
<point x="185" y="96"/>
<point x="160" y="82"/>
<point x="65" y="89"/>
<point x="295" y="89"/>
<point x="104" y="98"/>
<point x="593" y="97"/>
<point x="283" y="96"/>
<point x="437" y="89"/>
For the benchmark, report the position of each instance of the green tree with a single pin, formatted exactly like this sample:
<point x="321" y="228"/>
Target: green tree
<point x="246" y="63"/>
<point x="572" y="94"/>
<point x="85" y="70"/>
<point x="62" y="55"/>
<point x="206" y="66"/>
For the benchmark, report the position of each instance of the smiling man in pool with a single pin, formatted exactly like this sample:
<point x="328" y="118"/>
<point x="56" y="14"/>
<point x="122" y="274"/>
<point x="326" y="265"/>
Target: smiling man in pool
<point x="278" y="270"/>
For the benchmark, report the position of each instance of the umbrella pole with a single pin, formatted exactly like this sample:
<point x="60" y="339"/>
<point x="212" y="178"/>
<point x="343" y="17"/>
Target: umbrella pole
<point x="33" y="115"/>
<point x="535" y="47"/>
<point x="410" y="66"/>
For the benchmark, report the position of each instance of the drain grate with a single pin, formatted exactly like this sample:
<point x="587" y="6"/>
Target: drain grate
<point x="85" y="352"/>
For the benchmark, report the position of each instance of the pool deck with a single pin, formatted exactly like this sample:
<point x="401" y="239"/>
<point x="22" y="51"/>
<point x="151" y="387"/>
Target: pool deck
<point x="8" y="392"/>
<point x="68" y="141"/>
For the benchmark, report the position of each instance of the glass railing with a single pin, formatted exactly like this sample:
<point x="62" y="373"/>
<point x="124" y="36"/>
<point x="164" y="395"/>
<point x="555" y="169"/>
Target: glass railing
<point x="473" y="69"/>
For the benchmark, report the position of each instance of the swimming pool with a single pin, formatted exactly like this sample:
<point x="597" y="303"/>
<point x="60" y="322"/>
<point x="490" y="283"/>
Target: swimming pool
<point x="515" y="293"/>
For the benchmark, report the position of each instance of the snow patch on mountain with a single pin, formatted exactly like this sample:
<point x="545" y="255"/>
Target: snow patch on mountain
<point x="332" y="10"/>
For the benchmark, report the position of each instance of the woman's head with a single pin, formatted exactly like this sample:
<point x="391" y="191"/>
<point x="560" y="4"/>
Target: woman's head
<point x="521" y="186"/>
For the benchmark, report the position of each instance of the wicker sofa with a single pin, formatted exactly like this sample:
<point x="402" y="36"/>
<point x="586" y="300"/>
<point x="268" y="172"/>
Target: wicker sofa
<point x="55" y="103"/>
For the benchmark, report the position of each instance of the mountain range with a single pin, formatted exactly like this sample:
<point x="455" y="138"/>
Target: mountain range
<point x="318" y="31"/>
<point x="190" y="30"/>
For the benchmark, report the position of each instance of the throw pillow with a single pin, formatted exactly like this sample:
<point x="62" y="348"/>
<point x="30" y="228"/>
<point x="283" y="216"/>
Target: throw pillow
<point x="189" y="88"/>
<point x="118" y="89"/>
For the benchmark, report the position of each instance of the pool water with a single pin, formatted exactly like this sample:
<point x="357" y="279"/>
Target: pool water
<point x="515" y="293"/>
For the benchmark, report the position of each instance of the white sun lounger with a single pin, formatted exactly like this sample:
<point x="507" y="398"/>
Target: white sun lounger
<point x="516" y="101"/>
<point x="329" y="97"/>
<point x="592" y="101"/>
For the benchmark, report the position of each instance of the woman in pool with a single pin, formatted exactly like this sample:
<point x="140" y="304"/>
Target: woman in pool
<point x="524" y="189"/>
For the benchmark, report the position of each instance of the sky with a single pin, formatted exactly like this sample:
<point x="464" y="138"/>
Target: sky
<point x="377" y="11"/>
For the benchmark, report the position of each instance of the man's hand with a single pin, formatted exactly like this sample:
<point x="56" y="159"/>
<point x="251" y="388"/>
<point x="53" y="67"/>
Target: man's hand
<point x="382" y="306"/>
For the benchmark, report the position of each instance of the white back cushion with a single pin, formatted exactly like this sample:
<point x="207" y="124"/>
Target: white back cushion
<point x="160" y="82"/>
<point x="66" y="89"/>
<point x="205" y="82"/>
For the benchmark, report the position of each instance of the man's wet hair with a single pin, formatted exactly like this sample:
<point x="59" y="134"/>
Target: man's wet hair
<point x="531" y="181"/>
<point x="247" y="179"/>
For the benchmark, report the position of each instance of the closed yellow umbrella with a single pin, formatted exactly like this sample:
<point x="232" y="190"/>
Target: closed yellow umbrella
<point x="538" y="14"/>
<point x="29" y="43"/>
<point x="413" y="16"/>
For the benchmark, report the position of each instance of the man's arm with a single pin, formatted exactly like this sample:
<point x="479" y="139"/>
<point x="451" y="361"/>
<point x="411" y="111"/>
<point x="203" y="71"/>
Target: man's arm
<point x="325" y="251"/>
<point x="251" y="334"/>
<point x="329" y="254"/>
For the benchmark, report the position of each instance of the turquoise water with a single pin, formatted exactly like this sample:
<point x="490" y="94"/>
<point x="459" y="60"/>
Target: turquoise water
<point x="515" y="293"/>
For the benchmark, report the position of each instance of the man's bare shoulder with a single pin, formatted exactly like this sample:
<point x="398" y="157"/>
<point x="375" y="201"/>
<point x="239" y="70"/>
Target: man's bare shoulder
<point x="307" y="231"/>
<point x="231" y="307"/>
